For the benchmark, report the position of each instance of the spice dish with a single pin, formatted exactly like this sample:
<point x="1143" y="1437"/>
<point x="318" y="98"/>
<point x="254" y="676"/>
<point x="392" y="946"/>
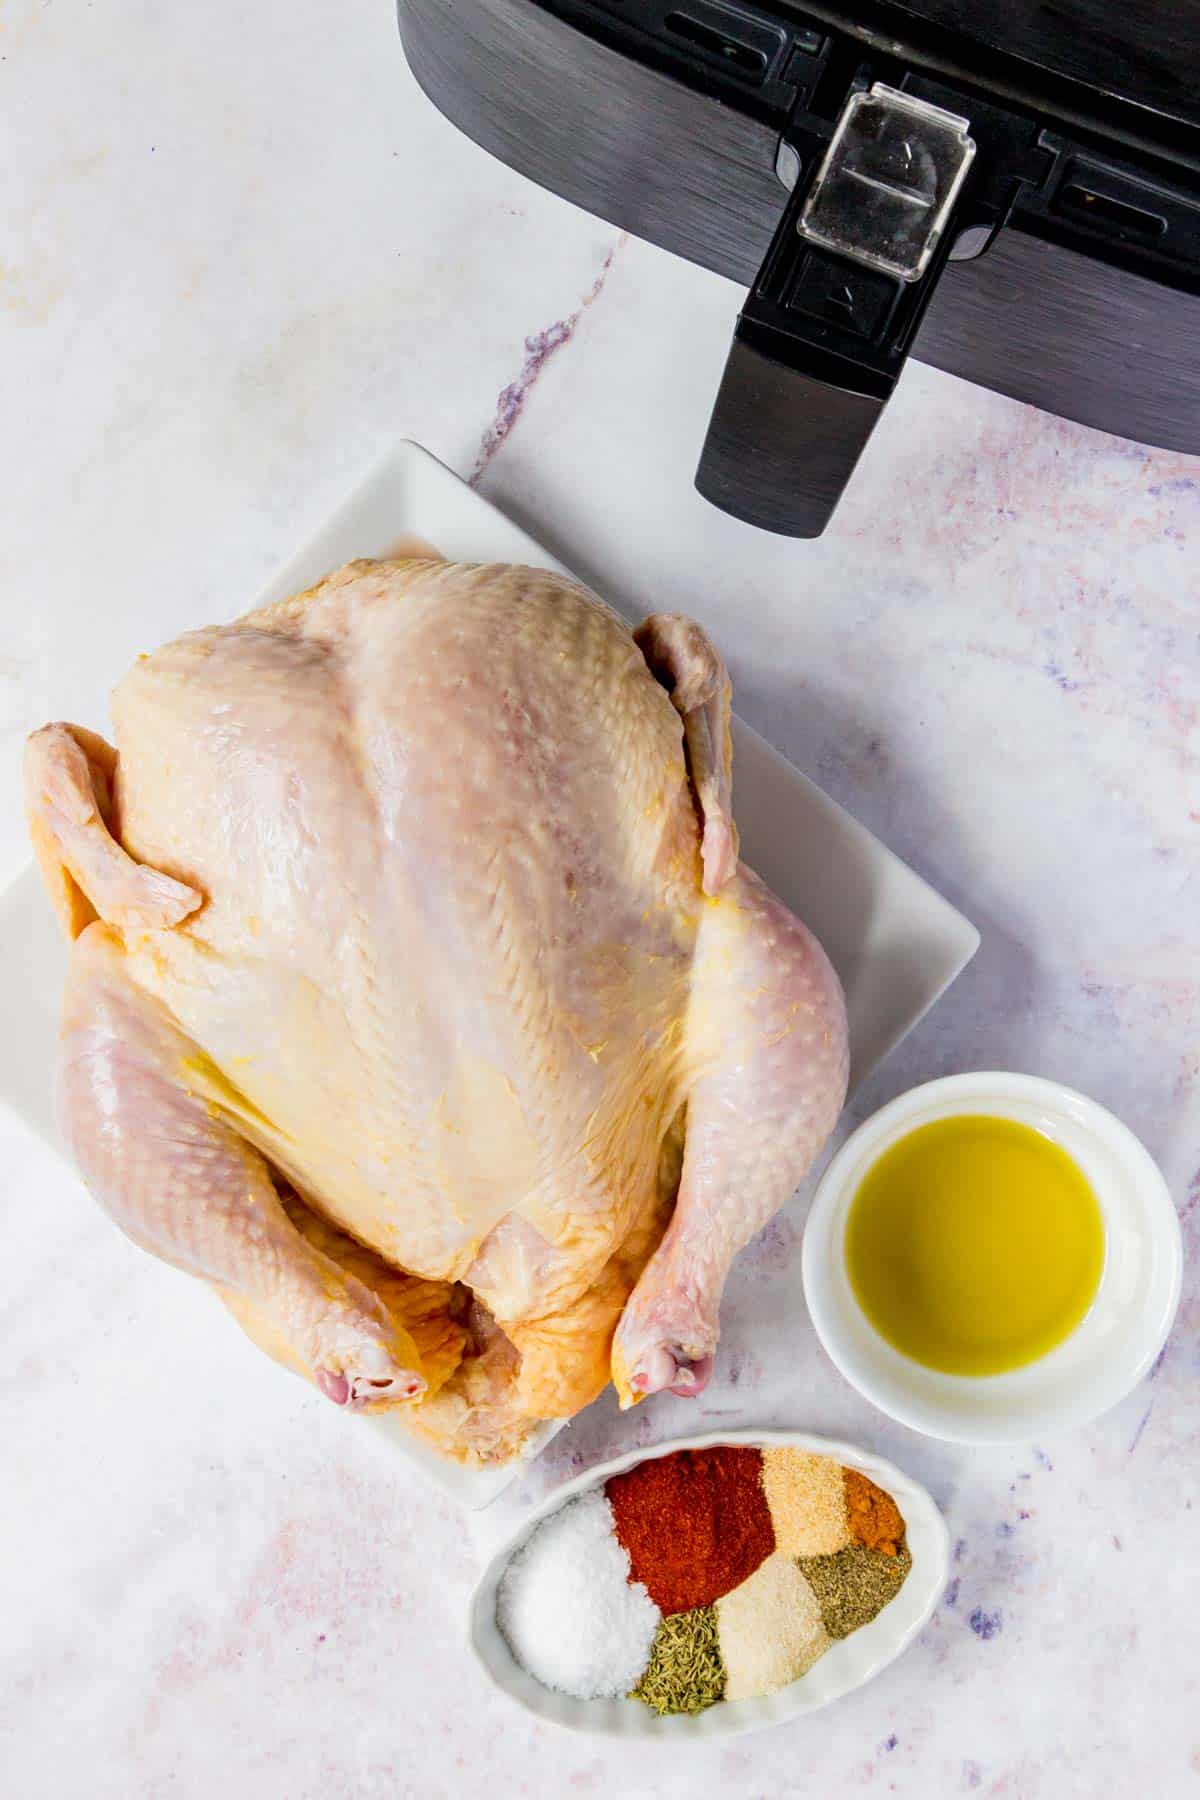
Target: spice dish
<point x="1106" y="1352"/>
<point x="878" y="1553"/>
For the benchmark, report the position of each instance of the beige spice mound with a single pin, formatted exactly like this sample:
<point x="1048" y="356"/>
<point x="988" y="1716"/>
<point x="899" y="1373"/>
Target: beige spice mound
<point x="807" y="1498"/>
<point x="769" y="1630"/>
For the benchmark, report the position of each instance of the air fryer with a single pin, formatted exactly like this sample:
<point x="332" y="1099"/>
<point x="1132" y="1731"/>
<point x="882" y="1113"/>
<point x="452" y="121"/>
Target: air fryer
<point x="1010" y="193"/>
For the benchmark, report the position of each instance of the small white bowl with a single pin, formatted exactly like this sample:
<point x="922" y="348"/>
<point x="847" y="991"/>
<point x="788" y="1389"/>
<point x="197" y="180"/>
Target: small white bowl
<point x="846" y="1665"/>
<point x="1111" y="1348"/>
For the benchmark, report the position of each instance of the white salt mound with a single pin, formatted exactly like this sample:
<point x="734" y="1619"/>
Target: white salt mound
<point x="567" y="1608"/>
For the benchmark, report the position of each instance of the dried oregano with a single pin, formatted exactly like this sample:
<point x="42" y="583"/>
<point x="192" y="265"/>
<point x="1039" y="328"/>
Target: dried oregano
<point x="855" y="1584"/>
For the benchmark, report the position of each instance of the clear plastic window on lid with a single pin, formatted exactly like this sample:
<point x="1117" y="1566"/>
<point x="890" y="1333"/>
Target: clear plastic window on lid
<point x="887" y="186"/>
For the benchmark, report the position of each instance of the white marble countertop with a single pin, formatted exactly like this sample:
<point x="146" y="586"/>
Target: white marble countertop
<point x="241" y="255"/>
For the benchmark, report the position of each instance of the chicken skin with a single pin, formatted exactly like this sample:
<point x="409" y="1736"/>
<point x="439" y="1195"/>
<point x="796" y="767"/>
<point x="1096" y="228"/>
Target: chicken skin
<point x="418" y="1000"/>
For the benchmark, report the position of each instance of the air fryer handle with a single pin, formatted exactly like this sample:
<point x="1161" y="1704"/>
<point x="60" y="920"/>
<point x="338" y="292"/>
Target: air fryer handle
<point x="826" y="328"/>
<point x="784" y="439"/>
<point x="819" y="346"/>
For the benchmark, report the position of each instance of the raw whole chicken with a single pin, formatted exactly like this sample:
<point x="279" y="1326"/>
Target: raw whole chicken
<point x="418" y="1000"/>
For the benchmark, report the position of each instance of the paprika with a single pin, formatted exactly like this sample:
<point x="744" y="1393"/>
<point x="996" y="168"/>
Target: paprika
<point x="695" y="1523"/>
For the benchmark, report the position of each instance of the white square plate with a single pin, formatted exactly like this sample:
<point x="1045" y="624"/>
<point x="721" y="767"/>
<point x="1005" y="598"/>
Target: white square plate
<point x="896" y="944"/>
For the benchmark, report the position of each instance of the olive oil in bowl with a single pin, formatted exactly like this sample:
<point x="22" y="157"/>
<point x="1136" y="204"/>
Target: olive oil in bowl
<point x="974" y="1245"/>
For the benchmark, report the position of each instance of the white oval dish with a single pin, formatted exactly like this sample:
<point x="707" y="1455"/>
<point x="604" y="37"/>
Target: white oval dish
<point x="1111" y="1348"/>
<point x="846" y="1665"/>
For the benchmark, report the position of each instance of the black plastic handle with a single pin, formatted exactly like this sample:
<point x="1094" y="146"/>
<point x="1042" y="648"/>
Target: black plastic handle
<point x="817" y="351"/>
<point x="782" y="443"/>
<point x="825" y="332"/>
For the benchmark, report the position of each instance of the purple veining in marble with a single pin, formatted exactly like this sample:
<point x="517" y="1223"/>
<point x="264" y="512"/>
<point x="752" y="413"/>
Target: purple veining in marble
<point x="985" y="1625"/>
<point x="1180" y="484"/>
<point x="1060" y="678"/>
<point x="1142" y="1424"/>
<point x="539" y="348"/>
<point x="1193" y="1196"/>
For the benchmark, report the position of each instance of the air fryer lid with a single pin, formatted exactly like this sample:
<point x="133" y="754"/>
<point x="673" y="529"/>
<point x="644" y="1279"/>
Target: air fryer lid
<point x="1049" y="147"/>
<point x="938" y="148"/>
<point x="1122" y="64"/>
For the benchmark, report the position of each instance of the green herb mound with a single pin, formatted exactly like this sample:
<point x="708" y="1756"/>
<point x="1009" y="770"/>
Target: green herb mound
<point x="854" y="1584"/>
<point x="685" y="1672"/>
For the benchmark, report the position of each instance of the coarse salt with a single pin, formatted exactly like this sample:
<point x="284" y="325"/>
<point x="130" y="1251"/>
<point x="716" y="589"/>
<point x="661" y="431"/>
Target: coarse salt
<point x="567" y="1608"/>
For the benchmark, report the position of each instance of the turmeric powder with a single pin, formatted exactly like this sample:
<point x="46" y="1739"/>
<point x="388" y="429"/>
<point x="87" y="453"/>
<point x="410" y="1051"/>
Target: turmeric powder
<point x="873" y="1516"/>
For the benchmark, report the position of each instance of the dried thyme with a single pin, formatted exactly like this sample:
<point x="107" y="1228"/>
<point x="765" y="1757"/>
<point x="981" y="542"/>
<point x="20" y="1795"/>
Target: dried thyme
<point x="685" y="1673"/>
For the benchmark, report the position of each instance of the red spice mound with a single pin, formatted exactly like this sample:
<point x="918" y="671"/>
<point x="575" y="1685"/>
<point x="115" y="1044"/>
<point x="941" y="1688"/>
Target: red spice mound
<point x="695" y="1523"/>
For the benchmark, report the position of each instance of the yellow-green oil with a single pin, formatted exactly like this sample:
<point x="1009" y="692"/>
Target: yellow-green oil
<point x="974" y="1245"/>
